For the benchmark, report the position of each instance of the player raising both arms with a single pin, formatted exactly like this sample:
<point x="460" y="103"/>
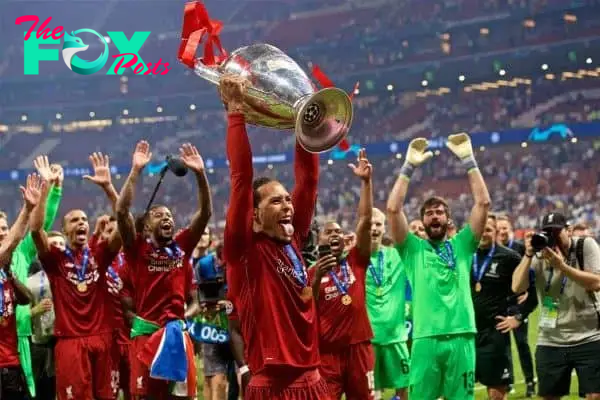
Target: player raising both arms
<point x="83" y="327"/>
<point x="439" y="270"/>
<point x="161" y="276"/>
<point x="264" y="233"/>
<point x="338" y="282"/>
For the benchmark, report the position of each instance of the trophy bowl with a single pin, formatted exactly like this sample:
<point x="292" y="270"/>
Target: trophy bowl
<point x="282" y="96"/>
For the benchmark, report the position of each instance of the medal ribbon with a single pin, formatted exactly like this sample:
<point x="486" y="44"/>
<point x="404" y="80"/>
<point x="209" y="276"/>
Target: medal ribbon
<point x="84" y="262"/>
<point x="447" y="256"/>
<point x="172" y="250"/>
<point x="299" y="271"/>
<point x="510" y="243"/>
<point x="341" y="286"/>
<point x="3" y="279"/>
<point x="478" y="272"/>
<point x="377" y="274"/>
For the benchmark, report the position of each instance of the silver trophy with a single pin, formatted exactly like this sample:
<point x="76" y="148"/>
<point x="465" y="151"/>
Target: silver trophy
<point x="282" y="96"/>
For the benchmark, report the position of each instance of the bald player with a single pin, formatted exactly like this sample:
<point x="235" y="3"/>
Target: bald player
<point x="338" y="281"/>
<point x="386" y="287"/>
<point x="83" y="326"/>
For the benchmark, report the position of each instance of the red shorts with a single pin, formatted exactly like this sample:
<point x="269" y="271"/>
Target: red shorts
<point x="350" y="371"/>
<point x="84" y="367"/>
<point x="121" y="367"/>
<point x="140" y="383"/>
<point x="307" y="385"/>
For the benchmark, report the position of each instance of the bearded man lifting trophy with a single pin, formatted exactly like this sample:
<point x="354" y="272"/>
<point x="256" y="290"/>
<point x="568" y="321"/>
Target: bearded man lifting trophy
<point x="280" y="95"/>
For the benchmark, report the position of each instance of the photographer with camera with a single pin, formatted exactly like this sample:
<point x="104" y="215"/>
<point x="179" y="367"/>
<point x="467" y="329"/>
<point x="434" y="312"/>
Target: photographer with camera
<point x="567" y="280"/>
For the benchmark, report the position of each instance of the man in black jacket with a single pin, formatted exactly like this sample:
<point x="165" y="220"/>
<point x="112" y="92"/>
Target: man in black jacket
<point x="496" y="311"/>
<point x="527" y="301"/>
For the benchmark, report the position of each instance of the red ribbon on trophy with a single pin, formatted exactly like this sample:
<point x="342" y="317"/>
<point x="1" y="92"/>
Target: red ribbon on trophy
<point x="197" y="26"/>
<point x="325" y="82"/>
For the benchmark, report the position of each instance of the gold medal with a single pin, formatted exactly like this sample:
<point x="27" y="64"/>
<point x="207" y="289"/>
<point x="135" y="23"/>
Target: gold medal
<point x="478" y="287"/>
<point x="82" y="287"/>
<point x="379" y="292"/>
<point x="346" y="300"/>
<point x="307" y="293"/>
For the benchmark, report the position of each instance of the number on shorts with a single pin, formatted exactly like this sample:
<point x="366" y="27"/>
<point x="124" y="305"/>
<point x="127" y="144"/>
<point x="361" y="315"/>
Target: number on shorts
<point x="468" y="380"/>
<point x="371" y="380"/>
<point x="404" y="367"/>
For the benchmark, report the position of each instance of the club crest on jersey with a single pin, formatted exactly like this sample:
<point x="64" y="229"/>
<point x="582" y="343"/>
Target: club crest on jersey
<point x="493" y="272"/>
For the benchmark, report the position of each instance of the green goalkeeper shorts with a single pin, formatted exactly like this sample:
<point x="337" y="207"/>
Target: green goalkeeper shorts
<point x="443" y="366"/>
<point x="392" y="366"/>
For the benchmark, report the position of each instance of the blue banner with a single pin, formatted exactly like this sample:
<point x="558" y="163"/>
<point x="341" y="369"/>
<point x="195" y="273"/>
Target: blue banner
<point x="555" y="132"/>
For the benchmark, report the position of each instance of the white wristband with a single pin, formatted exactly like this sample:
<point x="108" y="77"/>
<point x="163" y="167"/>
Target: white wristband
<point x="243" y="370"/>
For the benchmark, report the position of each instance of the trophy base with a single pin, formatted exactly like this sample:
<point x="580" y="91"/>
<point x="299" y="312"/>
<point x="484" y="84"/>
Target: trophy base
<point x="323" y="120"/>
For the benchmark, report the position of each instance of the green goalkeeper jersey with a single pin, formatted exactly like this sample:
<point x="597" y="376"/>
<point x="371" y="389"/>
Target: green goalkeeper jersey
<point x="441" y="294"/>
<point x="385" y="287"/>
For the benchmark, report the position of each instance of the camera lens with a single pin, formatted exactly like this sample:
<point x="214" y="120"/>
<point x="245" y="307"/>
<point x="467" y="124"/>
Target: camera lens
<point x="539" y="241"/>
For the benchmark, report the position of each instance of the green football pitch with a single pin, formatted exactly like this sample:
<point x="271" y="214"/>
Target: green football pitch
<point x="480" y="392"/>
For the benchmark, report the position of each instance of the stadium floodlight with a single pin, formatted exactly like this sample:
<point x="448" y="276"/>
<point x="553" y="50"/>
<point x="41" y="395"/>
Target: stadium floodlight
<point x="461" y="78"/>
<point x="502" y="72"/>
<point x="390" y="87"/>
<point x="192" y="107"/>
<point x="424" y="82"/>
<point x="588" y="60"/>
<point x="24" y="118"/>
<point x="92" y="114"/>
<point x="125" y="112"/>
<point x="58" y="115"/>
<point x="159" y="109"/>
<point x="544" y="67"/>
<point x="330" y="162"/>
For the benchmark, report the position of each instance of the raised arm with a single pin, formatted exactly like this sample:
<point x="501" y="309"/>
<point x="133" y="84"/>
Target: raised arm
<point x="192" y="159"/>
<point x="364" y="170"/>
<point x="31" y="197"/>
<point x="416" y="154"/>
<point x="304" y="196"/>
<point x="102" y="177"/>
<point x="238" y="225"/>
<point x="460" y="145"/>
<point x="53" y="174"/>
<point x="23" y="295"/>
<point x="125" y="222"/>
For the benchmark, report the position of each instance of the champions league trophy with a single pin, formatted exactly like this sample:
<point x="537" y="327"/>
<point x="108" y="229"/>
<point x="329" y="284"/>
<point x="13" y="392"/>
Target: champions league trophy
<point x="282" y="96"/>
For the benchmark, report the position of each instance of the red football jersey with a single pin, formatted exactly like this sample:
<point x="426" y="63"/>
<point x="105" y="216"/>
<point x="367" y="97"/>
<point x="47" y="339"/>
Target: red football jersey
<point x="9" y="353"/>
<point x="79" y="313"/>
<point x="161" y="281"/>
<point x="279" y="327"/>
<point x="120" y="325"/>
<point x="341" y="325"/>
